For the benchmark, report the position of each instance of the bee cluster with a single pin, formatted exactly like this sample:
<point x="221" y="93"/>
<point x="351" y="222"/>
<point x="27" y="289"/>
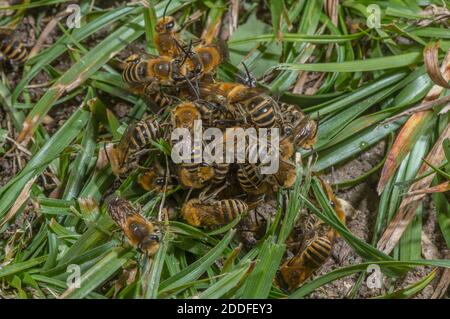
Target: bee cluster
<point x="180" y="82"/>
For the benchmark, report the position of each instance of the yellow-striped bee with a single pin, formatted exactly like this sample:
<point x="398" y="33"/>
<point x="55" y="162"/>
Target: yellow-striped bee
<point x="212" y="213"/>
<point x="140" y="232"/>
<point x="135" y="139"/>
<point x="156" y="71"/>
<point x="298" y="268"/>
<point x="251" y="103"/>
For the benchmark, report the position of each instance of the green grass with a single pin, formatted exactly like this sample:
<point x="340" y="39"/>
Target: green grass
<point x="368" y="77"/>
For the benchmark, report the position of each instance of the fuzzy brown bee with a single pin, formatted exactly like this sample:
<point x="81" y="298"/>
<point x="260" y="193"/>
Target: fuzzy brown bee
<point x="167" y="38"/>
<point x="140" y="232"/>
<point x="212" y="213"/>
<point x="185" y="114"/>
<point x="13" y="50"/>
<point x="158" y="71"/>
<point x="251" y="103"/>
<point x="298" y="268"/>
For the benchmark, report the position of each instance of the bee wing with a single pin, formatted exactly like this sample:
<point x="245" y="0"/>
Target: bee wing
<point x="124" y="143"/>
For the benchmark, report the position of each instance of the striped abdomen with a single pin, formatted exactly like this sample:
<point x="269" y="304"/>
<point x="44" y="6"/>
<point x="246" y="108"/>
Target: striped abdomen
<point x="261" y="111"/>
<point x="14" y="50"/>
<point x="220" y="173"/>
<point x="144" y="133"/>
<point x="251" y="180"/>
<point x="316" y="253"/>
<point x="230" y="209"/>
<point x="135" y="72"/>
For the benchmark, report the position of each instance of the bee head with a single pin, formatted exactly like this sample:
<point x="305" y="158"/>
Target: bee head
<point x="165" y="24"/>
<point x="150" y="244"/>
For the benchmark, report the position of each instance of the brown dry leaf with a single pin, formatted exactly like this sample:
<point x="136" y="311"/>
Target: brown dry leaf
<point x="408" y="206"/>
<point x="402" y="144"/>
<point x="431" y="61"/>
<point x="21" y="199"/>
<point x="331" y="8"/>
<point x="443" y="283"/>
<point x="444" y="187"/>
<point x="211" y="30"/>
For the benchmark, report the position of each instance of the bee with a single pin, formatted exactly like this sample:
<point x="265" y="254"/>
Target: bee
<point x="185" y="114"/>
<point x="197" y="173"/>
<point x="199" y="62"/>
<point x="297" y="269"/>
<point x="166" y="38"/>
<point x="212" y="213"/>
<point x="13" y="50"/>
<point x="134" y="140"/>
<point x="252" y="103"/>
<point x="140" y="232"/>
<point x="157" y="71"/>
<point x="154" y="179"/>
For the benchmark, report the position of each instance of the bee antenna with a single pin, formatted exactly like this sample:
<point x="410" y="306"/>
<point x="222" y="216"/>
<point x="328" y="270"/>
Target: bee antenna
<point x="194" y="89"/>
<point x="165" y="8"/>
<point x="318" y="118"/>
<point x="250" y="80"/>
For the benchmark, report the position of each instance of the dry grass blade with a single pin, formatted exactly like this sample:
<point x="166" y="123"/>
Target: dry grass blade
<point x="443" y="284"/>
<point x="46" y="32"/>
<point x="21" y="199"/>
<point x="431" y="61"/>
<point x="409" y="204"/>
<point x="430" y="190"/>
<point x="331" y="7"/>
<point x="419" y="108"/>
<point x="402" y="144"/>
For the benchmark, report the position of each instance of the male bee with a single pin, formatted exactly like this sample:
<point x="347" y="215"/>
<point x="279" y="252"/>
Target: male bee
<point x="185" y="114"/>
<point x="136" y="138"/>
<point x="12" y="50"/>
<point x="199" y="62"/>
<point x="298" y="268"/>
<point x="166" y="38"/>
<point x="140" y="232"/>
<point x="212" y="213"/>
